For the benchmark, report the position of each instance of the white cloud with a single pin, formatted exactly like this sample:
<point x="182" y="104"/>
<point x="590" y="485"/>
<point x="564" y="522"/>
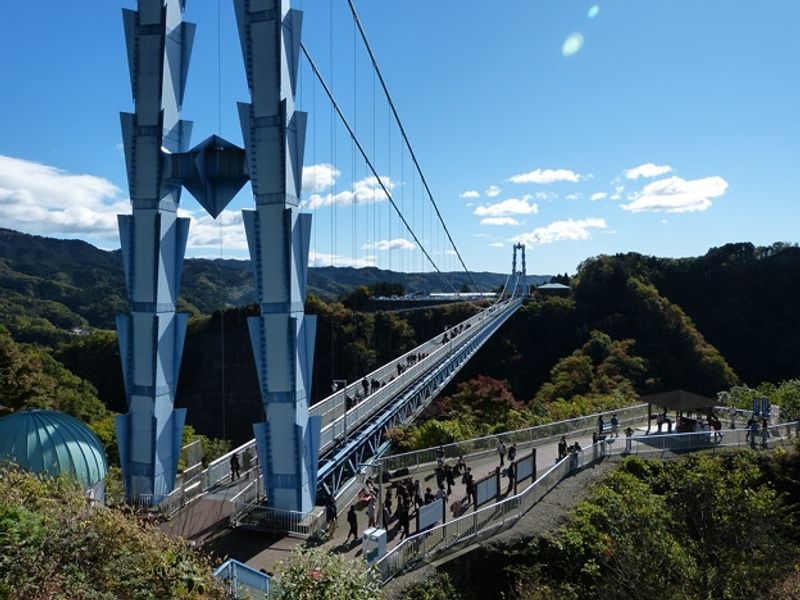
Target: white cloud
<point x="546" y="196"/>
<point x="560" y="231"/>
<point x="317" y="259"/>
<point x="573" y="196"/>
<point x="396" y="244"/>
<point x="499" y="221"/>
<point x="646" y="170"/>
<point x="469" y="194"/>
<point x="318" y="178"/>
<point x="365" y="191"/>
<point x="618" y="192"/>
<point x="493" y="191"/>
<point x="204" y="231"/>
<point x="677" y="195"/>
<point x="599" y="196"/>
<point x="42" y="199"/>
<point x="512" y="206"/>
<point x="546" y="176"/>
<point x="496" y="245"/>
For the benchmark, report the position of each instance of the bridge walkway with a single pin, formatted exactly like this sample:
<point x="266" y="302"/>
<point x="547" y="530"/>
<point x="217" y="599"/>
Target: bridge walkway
<point x="353" y="418"/>
<point x="261" y="550"/>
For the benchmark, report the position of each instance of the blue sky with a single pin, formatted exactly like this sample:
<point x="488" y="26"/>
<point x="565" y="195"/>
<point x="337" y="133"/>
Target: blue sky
<point x="680" y="118"/>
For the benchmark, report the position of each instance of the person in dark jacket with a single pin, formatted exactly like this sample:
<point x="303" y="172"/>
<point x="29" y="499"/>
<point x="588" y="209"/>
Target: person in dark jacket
<point x="352" y="519"/>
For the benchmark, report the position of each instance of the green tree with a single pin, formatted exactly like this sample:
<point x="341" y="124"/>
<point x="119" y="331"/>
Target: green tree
<point x="316" y="574"/>
<point x="53" y="545"/>
<point x="731" y="520"/>
<point x="31" y="378"/>
<point x="489" y="400"/>
<point x="437" y="587"/>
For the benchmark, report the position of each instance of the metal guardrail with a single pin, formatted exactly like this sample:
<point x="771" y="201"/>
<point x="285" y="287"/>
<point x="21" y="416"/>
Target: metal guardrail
<point x="241" y="580"/>
<point x="778" y="435"/>
<point x="484" y="522"/>
<point x="266" y="518"/>
<point x="361" y="412"/>
<point x="219" y="469"/>
<point x="478" y="524"/>
<point x="522" y="437"/>
<point x="334" y="403"/>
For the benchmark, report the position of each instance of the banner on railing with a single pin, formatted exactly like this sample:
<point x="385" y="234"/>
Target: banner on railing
<point x="486" y="489"/>
<point x="526" y="467"/>
<point x="430" y="514"/>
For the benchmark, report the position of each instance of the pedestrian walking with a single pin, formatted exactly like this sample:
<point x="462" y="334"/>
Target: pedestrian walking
<point x="352" y="519"/>
<point x="403" y="519"/>
<point x="439" y="455"/>
<point x="628" y="438"/>
<point x="331" y="515"/>
<point x="387" y="514"/>
<point x="764" y="434"/>
<point x="450" y="477"/>
<point x="752" y="432"/>
<point x="600" y="425"/>
<point x="461" y="464"/>
<point x="614" y="426"/>
<point x="562" y="447"/>
<point x="512" y="453"/>
<point x="371" y="512"/>
<point x="574" y="449"/>
<point x="501" y="450"/>
<point x="469" y="484"/>
<point x="235" y="467"/>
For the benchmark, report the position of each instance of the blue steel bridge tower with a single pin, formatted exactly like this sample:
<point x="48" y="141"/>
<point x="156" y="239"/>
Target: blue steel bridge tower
<point x="154" y="238"/>
<point x="278" y="237"/>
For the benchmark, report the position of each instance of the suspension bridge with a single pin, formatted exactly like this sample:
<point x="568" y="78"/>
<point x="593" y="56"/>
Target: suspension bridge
<point x="300" y="453"/>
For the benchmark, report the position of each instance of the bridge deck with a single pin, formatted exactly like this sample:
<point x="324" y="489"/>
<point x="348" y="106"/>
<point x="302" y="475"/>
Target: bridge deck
<point x="262" y="550"/>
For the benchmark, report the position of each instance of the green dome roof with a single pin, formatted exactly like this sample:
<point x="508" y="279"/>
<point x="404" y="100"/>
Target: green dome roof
<point x="45" y="441"/>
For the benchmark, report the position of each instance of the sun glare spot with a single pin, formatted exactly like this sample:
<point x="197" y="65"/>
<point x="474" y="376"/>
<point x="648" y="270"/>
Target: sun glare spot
<point x="572" y="45"/>
<point x="593" y="11"/>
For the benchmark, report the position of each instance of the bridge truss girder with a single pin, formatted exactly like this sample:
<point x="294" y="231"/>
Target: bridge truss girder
<point x="343" y="464"/>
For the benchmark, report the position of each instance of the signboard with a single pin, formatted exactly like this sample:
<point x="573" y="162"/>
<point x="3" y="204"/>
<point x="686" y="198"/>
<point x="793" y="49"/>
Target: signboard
<point x="486" y="490"/>
<point x="430" y="514"/>
<point x="526" y="467"/>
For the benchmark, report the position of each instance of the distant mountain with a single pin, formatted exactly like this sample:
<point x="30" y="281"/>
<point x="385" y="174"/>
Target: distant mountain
<point x="49" y="286"/>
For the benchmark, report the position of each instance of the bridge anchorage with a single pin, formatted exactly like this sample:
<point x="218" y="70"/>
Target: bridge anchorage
<point x="298" y="452"/>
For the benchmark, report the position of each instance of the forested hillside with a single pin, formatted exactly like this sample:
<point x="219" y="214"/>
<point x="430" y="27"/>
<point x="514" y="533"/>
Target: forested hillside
<point x="633" y="325"/>
<point x="50" y="286"/>
<point x="700" y="323"/>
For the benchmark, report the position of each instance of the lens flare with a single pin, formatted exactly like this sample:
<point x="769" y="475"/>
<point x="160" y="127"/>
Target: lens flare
<point x="572" y="45"/>
<point x="593" y="11"/>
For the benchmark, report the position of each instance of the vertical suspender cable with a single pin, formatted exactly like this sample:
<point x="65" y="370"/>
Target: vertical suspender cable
<point x="405" y="137"/>
<point x="369" y="163"/>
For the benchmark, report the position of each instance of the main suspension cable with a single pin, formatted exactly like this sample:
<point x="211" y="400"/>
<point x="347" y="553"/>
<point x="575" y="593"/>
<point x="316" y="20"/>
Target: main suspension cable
<point x="372" y="168"/>
<point x="405" y="138"/>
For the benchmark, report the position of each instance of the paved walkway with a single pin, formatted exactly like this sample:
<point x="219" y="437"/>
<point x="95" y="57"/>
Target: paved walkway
<point x="263" y="550"/>
<point x="202" y="517"/>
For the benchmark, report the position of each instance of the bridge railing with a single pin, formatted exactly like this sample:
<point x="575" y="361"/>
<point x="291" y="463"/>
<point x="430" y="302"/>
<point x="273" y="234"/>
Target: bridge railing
<point x="364" y="409"/>
<point x="777" y="435"/>
<point x="483" y="522"/>
<point x="242" y="580"/>
<point x="329" y="408"/>
<point x="219" y="470"/>
<point x="535" y="435"/>
<point x="478" y="524"/>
